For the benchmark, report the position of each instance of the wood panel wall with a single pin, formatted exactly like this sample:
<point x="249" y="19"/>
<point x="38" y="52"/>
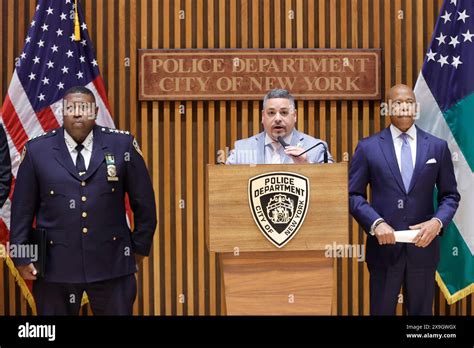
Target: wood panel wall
<point x="179" y="138"/>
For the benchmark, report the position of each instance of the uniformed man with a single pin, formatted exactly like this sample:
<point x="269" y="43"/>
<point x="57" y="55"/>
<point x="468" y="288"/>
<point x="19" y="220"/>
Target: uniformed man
<point x="72" y="183"/>
<point x="5" y="168"/>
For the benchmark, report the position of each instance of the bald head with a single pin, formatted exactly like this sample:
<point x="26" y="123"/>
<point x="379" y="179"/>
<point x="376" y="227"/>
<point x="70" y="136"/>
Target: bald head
<point x="400" y="89"/>
<point x="402" y="105"/>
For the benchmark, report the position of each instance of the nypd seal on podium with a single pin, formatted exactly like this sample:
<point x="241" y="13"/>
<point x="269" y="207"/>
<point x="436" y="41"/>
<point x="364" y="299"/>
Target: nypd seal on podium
<point x="279" y="202"/>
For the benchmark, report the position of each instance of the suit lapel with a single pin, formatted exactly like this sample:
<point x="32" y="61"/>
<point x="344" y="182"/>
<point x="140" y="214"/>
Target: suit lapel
<point x="422" y="146"/>
<point x="62" y="155"/>
<point x="98" y="154"/>
<point x="388" y="150"/>
<point x="260" y="140"/>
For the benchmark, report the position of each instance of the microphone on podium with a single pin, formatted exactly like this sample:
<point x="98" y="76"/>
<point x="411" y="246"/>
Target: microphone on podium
<point x="282" y="142"/>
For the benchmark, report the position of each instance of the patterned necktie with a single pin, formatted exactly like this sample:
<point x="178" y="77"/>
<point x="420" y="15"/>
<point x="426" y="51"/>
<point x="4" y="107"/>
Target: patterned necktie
<point x="406" y="161"/>
<point x="80" y="164"/>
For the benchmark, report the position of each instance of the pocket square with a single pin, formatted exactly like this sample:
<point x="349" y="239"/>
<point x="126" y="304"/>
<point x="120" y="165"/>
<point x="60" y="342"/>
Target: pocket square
<point x="431" y="161"/>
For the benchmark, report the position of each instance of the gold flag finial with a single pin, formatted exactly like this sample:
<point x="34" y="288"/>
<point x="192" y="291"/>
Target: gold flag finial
<point x="77" y="26"/>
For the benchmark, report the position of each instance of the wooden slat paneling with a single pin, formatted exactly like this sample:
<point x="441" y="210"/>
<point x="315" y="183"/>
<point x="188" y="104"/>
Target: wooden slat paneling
<point x="179" y="138"/>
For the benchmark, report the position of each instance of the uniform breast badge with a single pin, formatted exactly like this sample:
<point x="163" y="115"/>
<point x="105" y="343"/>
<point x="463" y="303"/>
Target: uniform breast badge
<point x="111" y="168"/>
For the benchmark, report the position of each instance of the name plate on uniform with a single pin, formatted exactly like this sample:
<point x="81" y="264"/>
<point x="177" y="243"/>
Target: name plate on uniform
<point x="248" y="74"/>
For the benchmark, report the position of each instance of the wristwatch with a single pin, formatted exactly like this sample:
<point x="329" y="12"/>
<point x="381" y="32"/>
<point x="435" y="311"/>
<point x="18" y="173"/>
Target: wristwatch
<point x="374" y="226"/>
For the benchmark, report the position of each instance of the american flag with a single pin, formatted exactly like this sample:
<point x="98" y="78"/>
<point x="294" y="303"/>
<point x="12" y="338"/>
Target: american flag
<point x="52" y="61"/>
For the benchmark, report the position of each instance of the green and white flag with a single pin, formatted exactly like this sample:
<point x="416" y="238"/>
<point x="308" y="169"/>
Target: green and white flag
<point x="445" y="91"/>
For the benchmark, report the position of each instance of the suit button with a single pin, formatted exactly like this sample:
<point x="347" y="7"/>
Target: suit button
<point x="83" y="183"/>
<point x="51" y="192"/>
<point x="84" y="198"/>
<point x="115" y="238"/>
<point x="84" y="214"/>
<point x="51" y="242"/>
<point x="84" y="230"/>
<point x="113" y="189"/>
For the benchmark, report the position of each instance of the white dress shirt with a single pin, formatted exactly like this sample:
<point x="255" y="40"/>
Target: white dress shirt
<point x="397" y="142"/>
<point x="272" y="149"/>
<point x="86" y="151"/>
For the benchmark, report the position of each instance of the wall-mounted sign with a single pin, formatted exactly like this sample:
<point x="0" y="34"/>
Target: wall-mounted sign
<point x="247" y="74"/>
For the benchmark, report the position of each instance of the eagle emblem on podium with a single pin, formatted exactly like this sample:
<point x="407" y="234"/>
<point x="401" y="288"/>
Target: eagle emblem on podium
<point x="280" y="209"/>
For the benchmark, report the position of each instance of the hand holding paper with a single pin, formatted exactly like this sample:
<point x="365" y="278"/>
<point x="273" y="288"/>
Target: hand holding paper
<point x="406" y="236"/>
<point x="384" y="234"/>
<point x="428" y="231"/>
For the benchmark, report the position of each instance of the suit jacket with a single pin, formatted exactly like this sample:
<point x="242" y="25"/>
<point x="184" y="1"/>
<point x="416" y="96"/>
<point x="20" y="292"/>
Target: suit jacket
<point x="375" y="163"/>
<point x="252" y="150"/>
<point x="84" y="216"/>
<point x="5" y="168"/>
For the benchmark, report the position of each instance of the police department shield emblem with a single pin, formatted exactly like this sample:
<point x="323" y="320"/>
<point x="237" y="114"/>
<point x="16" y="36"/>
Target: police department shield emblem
<point x="279" y="202"/>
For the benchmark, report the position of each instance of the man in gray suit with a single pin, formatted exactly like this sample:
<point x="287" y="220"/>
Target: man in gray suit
<point x="278" y="119"/>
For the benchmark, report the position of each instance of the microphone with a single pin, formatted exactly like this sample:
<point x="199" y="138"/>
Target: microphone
<point x="312" y="147"/>
<point x="282" y="142"/>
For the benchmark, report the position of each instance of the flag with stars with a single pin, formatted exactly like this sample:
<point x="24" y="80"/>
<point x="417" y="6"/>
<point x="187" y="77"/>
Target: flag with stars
<point x="51" y="62"/>
<point x="445" y="91"/>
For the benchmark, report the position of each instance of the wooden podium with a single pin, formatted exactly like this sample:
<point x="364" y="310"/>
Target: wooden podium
<point x="260" y="278"/>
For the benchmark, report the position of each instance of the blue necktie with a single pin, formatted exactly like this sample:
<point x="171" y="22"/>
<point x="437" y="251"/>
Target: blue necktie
<point x="406" y="161"/>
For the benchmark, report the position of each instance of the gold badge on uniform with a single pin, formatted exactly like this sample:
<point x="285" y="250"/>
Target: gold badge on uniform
<point x="111" y="168"/>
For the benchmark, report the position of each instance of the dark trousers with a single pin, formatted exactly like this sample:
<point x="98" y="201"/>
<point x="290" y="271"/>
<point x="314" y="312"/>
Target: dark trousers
<point x="108" y="297"/>
<point x="385" y="284"/>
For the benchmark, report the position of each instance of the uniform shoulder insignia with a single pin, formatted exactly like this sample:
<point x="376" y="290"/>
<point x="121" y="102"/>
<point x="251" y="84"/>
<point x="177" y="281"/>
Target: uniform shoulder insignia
<point x="44" y="135"/>
<point x="114" y="131"/>
<point x="135" y="145"/>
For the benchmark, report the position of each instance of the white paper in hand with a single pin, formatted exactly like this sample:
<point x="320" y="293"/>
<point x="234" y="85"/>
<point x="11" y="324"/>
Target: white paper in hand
<point x="406" y="236"/>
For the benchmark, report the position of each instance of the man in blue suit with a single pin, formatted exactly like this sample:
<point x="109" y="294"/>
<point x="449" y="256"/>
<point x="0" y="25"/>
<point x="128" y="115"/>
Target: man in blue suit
<point x="278" y="119"/>
<point x="404" y="166"/>
<point x="72" y="184"/>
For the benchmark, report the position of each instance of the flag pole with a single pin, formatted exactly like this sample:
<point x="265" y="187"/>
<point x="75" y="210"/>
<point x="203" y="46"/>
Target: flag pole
<point x="77" y="27"/>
